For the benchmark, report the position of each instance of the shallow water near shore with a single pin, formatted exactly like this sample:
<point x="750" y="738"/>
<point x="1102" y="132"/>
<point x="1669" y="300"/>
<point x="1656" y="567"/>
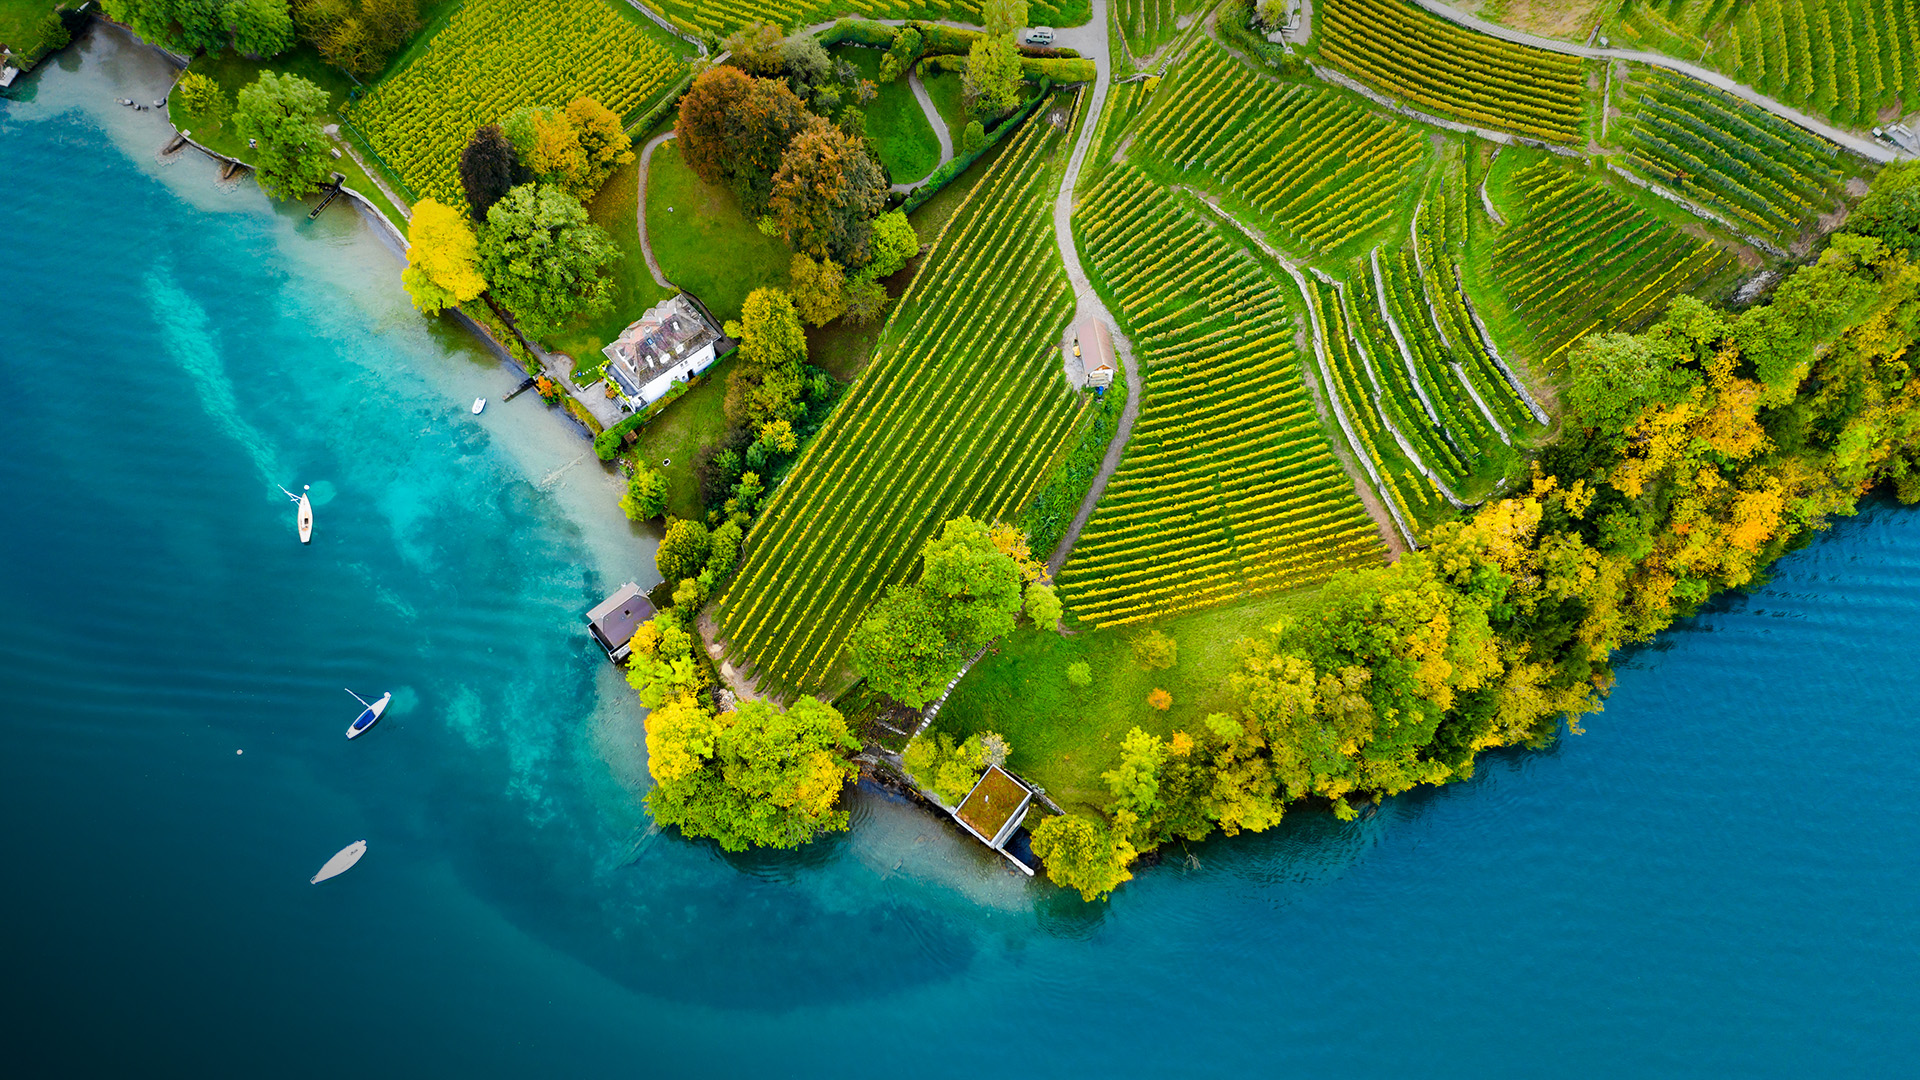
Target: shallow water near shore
<point x="1721" y="877"/>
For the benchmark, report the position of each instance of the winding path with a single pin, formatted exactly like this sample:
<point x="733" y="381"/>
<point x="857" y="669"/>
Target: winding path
<point x="1866" y="148"/>
<point x="640" y="218"/>
<point x="940" y="131"/>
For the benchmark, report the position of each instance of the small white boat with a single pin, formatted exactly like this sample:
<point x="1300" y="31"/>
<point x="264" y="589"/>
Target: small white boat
<point x="368" y="717"/>
<point x="342" y="861"/>
<point x="478" y="404"/>
<point x="306" y="519"/>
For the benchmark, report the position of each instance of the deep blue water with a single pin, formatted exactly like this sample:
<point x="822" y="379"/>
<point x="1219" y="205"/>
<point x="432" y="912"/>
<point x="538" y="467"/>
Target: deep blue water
<point x="1721" y="877"/>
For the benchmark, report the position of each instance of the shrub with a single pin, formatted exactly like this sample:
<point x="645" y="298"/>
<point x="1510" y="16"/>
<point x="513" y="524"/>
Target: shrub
<point x="1080" y="674"/>
<point x="683" y="551"/>
<point x="973" y="137"/>
<point x="646" y="495"/>
<point x="201" y="96"/>
<point x="1160" y="699"/>
<point x="1083" y="854"/>
<point x="1154" y="650"/>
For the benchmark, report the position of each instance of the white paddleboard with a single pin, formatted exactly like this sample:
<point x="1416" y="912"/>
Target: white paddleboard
<point x="342" y="862"/>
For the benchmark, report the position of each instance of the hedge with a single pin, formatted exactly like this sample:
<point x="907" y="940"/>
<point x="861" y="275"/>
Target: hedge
<point x="876" y="35"/>
<point x="944" y="175"/>
<point x="1060" y="71"/>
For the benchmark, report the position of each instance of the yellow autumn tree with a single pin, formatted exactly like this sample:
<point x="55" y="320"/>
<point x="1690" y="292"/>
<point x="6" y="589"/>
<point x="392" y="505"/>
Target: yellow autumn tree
<point x="443" y="258"/>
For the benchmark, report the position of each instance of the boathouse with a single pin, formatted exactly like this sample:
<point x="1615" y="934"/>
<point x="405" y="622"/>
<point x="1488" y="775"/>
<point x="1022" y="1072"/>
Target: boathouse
<point x="674" y="341"/>
<point x="612" y="623"/>
<point x="994" y="810"/>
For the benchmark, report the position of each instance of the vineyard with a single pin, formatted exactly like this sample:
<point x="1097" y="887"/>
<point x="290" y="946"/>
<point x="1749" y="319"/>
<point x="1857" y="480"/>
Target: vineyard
<point x="962" y="412"/>
<point x="1229" y="487"/>
<point x="1758" y="171"/>
<point x="1409" y="54"/>
<point x="1148" y="24"/>
<point x="1583" y="259"/>
<point x="1312" y="164"/>
<point x="493" y="57"/>
<point x="1843" y="59"/>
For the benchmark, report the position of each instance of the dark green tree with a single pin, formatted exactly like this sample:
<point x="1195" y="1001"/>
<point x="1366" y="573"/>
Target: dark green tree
<point x="543" y="259"/>
<point x="489" y="168"/>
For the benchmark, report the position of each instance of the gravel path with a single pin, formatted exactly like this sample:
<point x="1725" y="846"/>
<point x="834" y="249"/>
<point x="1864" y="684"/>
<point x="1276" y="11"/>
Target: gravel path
<point x="939" y="129"/>
<point x="1866" y="148"/>
<point x="640" y="218"/>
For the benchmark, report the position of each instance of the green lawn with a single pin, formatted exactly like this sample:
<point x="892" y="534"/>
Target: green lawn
<point x="615" y="209"/>
<point x="949" y="102"/>
<point x="1064" y="738"/>
<point x="704" y="243"/>
<point x="696" y="419"/>
<point x="20" y="26"/>
<point x="898" y="128"/>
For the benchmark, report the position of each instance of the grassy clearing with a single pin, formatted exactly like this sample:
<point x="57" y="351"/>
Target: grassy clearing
<point x="1063" y="737"/>
<point x="615" y="209"/>
<point x="22" y="26"/>
<point x="704" y="242"/>
<point x="901" y="136"/>
<point x="695" y="420"/>
<point x="949" y="102"/>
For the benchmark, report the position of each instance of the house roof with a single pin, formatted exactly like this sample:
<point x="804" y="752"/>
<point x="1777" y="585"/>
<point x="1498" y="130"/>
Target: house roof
<point x="1096" y="344"/>
<point x="668" y="333"/>
<point x="993" y="807"/>
<point x="619" y="615"/>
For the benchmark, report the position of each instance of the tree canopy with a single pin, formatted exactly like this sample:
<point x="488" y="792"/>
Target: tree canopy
<point x="443" y="258"/>
<point x="489" y="168"/>
<point x="826" y="194"/>
<point x="734" y="129"/>
<point x="280" y="113"/>
<point x="544" y="260"/>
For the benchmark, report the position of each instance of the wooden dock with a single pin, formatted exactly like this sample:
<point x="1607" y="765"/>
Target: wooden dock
<point x="518" y="390"/>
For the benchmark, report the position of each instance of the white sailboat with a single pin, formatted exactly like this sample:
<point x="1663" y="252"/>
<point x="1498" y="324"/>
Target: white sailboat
<point x="369" y="717"/>
<point x="342" y="861"/>
<point x="303" y="515"/>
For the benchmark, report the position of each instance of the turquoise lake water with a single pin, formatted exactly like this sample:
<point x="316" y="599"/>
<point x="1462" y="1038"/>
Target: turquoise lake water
<point x="1720" y="878"/>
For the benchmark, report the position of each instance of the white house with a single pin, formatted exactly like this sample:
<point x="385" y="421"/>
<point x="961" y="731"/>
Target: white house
<point x="671" y="343"/>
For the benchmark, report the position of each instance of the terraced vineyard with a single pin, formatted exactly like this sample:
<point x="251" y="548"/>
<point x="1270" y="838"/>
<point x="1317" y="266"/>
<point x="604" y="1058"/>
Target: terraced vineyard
<point x="493" y="57"/>
<point x="1582" y="259"/>
<point x="1411" y="55"/>
<point x="718" y="18"/>
<point x="1757" y="170"/>
<point x="1312" y="165"/>
<point x="961" y="412"/>
<point x="1229" y="487"/>
<point x="1149" y="24"/>
<point x="1843" y="59"/>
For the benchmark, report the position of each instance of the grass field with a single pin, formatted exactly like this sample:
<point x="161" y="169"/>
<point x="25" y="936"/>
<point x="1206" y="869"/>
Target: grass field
<point x="1063" y="738"/>
<point x="22" y="24"/>
<point x="962" y="412"/>
<point x="670" y="443"/>
<point x="901" y="136"/>
<point x="704" y="243"/>
<point x="615" y="209"/>
<point x="949" y="102"/>
<point x="494" y="56"/>
<point x="1229" y="487"/>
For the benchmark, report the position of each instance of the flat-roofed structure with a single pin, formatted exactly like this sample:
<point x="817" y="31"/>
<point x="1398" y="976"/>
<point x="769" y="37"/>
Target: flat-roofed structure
<point x="994" y="810"/>
<point x="672" y="342"/>
<point x="612" y="623"/>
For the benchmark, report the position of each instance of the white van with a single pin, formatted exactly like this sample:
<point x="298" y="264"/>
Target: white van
<point x="1040" y="35"/>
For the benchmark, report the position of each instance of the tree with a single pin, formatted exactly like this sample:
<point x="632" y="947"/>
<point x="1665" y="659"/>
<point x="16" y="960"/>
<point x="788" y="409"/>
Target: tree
<point x="973" y="137"/>
<point x="866" y="301"/>
<point x="646" y="495"/>
<point x="809" y="69"/>
<point x="756" y="47"/>
<point x="278" y="113"/>
<point x="603" y="141"/>
<point x="1043" y="606"/>
<point x="753" y="776"/>
<point x="1080" y="674"/>
<point x="817" y="286"/>
<point x="261" y="28"/>
<point x="661" y="666"/>
<point x="992" y="78"/>
<point x="186" y="25"/>
<point x="902" y="648"/>
<point x="1135" y="783"/>
<point x="1154" y="650"/>
<point x="1891" y="209"/>
<point x="202" y="97"/>
<point x="894" y="245"/>
<point x="773" y="348"/>
<point x="1160" y="699"/>
<point x="443" y="258"/>
<point x="1083" y="854"/>
<point x="548" y="146"/>
<point x="826" y="194"/>
<point x="950" y="769"/>
<point x="544" y="259"/>
<point x="724" y="551"/>
<point x="360" y="36"/>
<point x="489" y="168"/>
<point x="733" y="130"/>
<point x="683" y="551"/>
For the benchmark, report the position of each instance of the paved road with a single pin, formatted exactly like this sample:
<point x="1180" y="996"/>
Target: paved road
<point x="1091" y="41"/>
<point x="640" y="218"/>
<point x="1866" y="148"/>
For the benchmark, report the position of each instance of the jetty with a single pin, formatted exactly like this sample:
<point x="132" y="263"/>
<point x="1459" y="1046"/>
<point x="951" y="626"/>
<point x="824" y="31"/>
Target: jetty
<point x="333" y="192"/>
<point x="518" y="390"/>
